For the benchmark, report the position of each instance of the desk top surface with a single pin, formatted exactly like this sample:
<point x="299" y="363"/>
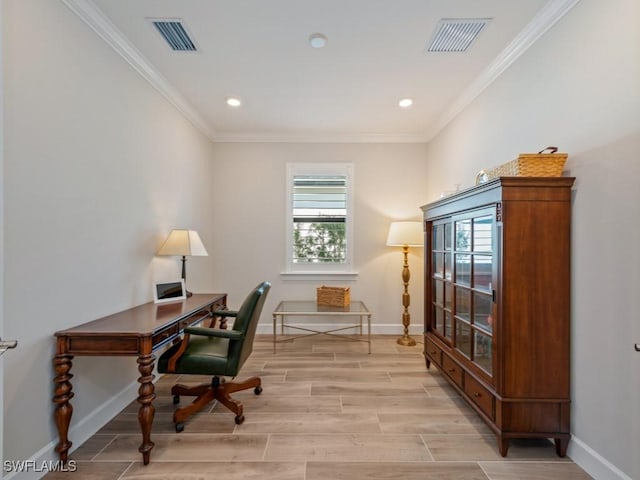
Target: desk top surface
<point x="146" y="318"/>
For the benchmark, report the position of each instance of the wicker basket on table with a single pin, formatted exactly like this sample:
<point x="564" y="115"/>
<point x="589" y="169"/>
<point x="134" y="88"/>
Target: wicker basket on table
<point x="333" y="296"/>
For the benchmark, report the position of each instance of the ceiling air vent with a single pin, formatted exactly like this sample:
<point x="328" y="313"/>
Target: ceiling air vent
<point x="175" y="34"/>
<point x="456" y="34"/>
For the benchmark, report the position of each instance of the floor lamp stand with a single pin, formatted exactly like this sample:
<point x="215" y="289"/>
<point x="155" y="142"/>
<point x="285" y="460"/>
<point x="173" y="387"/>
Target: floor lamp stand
<point x="405" y="339"/>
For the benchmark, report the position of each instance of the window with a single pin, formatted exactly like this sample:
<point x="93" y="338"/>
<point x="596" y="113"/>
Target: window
<point x="319" y="217"/>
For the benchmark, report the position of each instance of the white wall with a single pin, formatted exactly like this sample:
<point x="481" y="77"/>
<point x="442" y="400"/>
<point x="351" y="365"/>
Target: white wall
<point x="98" y="168"/>
<point x="578" y="88"/>
<point x="249" y="208"/>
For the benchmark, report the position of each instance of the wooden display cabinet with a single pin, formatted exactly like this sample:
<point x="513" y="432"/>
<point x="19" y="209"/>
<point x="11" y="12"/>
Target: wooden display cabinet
<point x="497" y="319"/>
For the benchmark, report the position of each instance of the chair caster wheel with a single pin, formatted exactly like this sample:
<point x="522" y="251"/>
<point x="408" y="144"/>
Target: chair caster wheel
<point x="239" y="419"/>
<point x="179" y="427"/>
<point x="176" y="399"/>
<point x="257" y="390"/>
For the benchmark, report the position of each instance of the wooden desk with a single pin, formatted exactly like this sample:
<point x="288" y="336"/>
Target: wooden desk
<point x="137" y="331"/>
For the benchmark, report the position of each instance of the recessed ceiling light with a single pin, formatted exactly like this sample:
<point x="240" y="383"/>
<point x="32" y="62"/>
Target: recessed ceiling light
<point x="317" y="40"/>
<point x="405" y="102"/>
<point x="233" y="101"/>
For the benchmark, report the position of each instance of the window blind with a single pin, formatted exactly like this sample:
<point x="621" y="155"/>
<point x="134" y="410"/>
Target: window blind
<point x="319" y="218"/>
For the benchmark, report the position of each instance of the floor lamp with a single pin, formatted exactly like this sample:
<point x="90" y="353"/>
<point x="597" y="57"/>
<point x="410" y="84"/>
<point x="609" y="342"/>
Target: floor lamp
<point x="184" y="243"/>
<point x="405" y="235"/>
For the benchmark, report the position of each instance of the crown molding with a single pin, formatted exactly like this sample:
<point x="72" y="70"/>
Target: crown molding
<point x="319" y="138"/>
<point x="548" y="15"/>
<point x="553" y="11"/>
<point x="99" y="23"/>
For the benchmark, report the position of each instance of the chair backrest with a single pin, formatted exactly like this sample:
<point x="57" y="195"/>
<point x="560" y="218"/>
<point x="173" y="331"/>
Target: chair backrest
<point x="246" y="322"/>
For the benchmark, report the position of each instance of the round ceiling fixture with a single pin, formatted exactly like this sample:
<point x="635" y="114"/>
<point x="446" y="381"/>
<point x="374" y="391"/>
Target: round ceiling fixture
<point x="405" y="102"/>
<point x="317" y="40"/>
<point x="233" y="101"/>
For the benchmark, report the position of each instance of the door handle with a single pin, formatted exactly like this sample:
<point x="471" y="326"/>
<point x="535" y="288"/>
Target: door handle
<point x="7" y="344"/>
<point x="637" y="346"/>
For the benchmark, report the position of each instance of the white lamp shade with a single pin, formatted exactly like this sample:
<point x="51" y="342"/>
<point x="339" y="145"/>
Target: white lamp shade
<point x="407" y="234"/>
<point x="183" y="242"/>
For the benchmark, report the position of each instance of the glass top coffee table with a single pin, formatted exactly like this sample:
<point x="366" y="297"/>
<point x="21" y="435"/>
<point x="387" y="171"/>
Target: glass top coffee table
<point x="309" y="308"/>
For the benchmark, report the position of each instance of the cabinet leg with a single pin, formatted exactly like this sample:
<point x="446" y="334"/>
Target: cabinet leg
<point x="426" y="360"/>
<point x="503" y="445"/>
<point x="146" y="396"/>
<point x="63" y="411"/>
<point x="561" y="446"/>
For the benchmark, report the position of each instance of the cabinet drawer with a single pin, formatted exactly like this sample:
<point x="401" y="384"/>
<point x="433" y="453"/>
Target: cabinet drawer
<point x="482" y="397"/>
<point x="434" y="353"/>
<point x="452" y="369"/>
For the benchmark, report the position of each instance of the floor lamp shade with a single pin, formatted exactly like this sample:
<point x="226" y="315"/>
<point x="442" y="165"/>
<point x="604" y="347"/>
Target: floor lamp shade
<point x="408" y="234"/>
<point x="183" y="243"/>
<point x="405" y="235"/>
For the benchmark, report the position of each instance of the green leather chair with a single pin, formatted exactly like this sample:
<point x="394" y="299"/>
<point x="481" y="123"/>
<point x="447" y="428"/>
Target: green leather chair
<point x="217" y="352"/>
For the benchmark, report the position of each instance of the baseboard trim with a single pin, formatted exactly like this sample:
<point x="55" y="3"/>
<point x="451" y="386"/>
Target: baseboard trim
<point x="592" y="462"/>
<point x="79" y="433"/>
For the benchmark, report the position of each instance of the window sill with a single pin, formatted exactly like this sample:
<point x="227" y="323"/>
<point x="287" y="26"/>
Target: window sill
<point x="309" y="275"/>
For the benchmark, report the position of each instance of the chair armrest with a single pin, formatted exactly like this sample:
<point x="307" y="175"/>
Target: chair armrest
<point x="215" y="332"/>
<point x="209" y="332"/>
<point x="225" y="313"/>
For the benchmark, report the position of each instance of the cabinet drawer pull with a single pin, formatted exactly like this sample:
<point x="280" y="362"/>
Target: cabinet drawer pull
<point x="451" y="370"/>
<point x="477" y="394"/>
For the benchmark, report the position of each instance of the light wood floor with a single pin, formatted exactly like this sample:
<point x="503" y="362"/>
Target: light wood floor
<point x="329" y="411"/>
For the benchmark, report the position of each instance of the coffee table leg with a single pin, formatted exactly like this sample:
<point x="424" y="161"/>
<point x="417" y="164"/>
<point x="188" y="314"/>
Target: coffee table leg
<point x="146" y="396"/>
<point x="274" y="333"/>
<point x="369" y="331"/>
<point x="63" y="411"/>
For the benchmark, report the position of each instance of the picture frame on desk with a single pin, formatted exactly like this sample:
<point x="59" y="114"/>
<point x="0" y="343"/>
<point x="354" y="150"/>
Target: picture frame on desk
<point x="172" y="291"/>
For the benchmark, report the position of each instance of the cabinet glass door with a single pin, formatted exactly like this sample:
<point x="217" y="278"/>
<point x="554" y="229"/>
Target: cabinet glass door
<point x="441" y="277"/>
<point x="473" y="240"/>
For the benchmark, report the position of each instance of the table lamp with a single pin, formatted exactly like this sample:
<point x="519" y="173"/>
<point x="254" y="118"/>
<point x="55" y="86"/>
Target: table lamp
<point x="185" y="243"/>
<point x="405" y="235"/>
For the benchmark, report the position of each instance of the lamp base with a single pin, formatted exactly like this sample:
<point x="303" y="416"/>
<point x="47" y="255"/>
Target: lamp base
<point x="184" y="276"/>
<point x="406" y="341"/>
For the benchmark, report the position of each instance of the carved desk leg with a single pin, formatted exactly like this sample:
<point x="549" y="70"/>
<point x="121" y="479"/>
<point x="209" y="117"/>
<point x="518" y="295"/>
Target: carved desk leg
<point x="63" y="393"/>
<point x="146" y="396"/>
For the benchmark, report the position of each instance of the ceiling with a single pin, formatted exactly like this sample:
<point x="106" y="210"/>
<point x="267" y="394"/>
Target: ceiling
<point x="376" y="54"/>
